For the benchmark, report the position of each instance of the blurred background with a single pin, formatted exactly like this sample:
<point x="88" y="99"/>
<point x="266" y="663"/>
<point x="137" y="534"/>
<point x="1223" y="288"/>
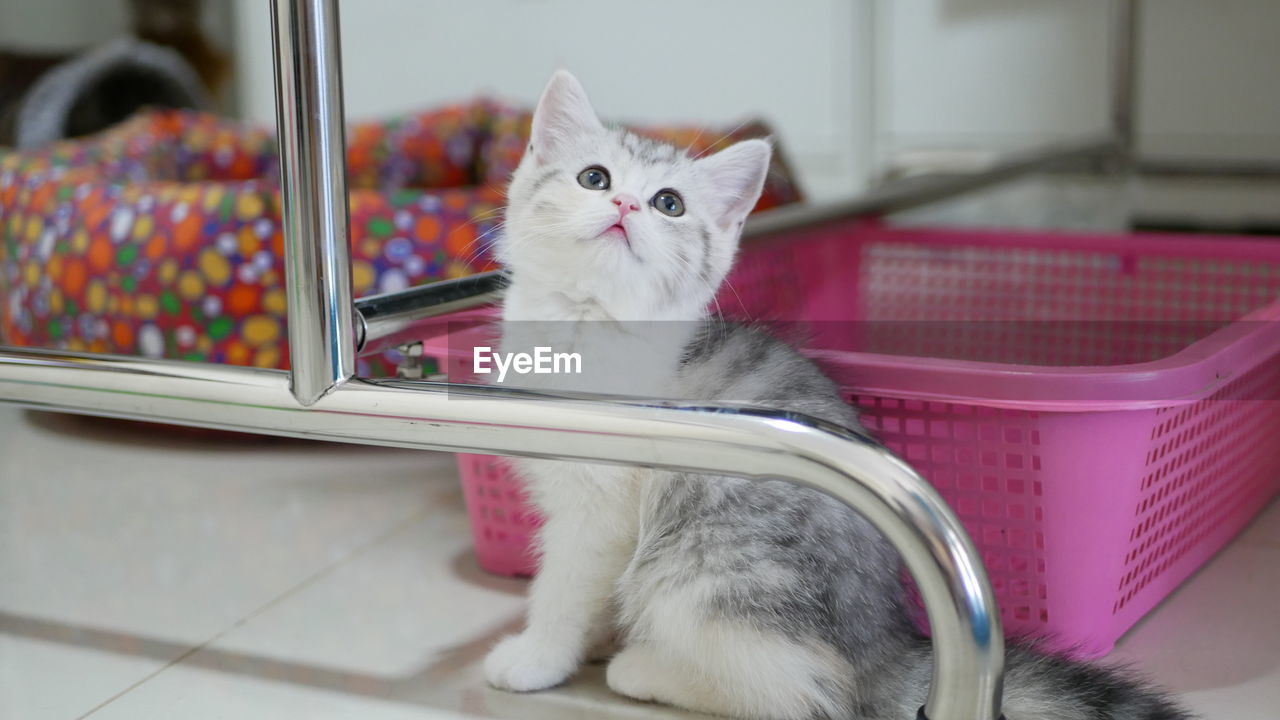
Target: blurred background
<point x="856" y="89"/>
<point x="150" y="571"/>
<point x="863" y="97"/>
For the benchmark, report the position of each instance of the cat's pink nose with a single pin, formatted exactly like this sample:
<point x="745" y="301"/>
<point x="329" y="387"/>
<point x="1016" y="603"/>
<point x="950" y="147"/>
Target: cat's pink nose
<point x="626" y="204"/>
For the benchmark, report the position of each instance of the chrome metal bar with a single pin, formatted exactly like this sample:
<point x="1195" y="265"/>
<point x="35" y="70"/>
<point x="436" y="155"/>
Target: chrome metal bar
<point x="922" y="190"/>
<point x="313" y="180"/>
<point x="391" y="319"/>
<point x="1208" y="168"/>
<point x="1125" y="46"/>
<point x="385" y="321"/>
<point x="967" y="639"/>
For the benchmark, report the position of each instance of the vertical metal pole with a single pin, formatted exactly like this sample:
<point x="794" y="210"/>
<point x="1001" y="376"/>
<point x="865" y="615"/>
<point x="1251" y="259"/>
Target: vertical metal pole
<point x="313" y="184"/>
<point x="1124" y="77"/>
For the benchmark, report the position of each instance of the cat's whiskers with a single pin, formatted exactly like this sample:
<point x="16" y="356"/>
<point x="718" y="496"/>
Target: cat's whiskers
<point x="684" y="268"/>
<point x="729" y="284"/>
<point x="696" y="138"/>
<point x="475" y="221"/>
<point x="486" y="244"/>
<point x="486" y="240"/>
<point x="725" y="136"/>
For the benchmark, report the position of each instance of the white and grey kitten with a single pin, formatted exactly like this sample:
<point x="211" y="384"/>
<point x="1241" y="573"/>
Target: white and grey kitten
<point x="742" y="598"/>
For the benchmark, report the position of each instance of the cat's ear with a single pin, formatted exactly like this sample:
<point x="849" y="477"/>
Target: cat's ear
<point x="736" y="177"/>
<point x="563" y="114"/>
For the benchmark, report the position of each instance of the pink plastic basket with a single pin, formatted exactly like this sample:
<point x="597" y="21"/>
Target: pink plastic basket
<point x="1101" y="411"/>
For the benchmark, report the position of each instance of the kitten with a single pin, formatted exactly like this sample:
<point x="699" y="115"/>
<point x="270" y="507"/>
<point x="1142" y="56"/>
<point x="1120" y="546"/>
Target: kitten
<point x="733" y="597"/>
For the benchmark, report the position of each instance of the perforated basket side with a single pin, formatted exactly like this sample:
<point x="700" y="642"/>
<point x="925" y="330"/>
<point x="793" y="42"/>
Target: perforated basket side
<point x="1209" y="468"/>
<point x="986" y="464"/>
<point x="502" y="521"/>
<point x="1054" y="307"/>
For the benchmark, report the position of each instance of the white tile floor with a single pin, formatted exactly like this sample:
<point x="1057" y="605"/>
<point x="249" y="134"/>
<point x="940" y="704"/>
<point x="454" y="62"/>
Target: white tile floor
<point x="146" y="573"/>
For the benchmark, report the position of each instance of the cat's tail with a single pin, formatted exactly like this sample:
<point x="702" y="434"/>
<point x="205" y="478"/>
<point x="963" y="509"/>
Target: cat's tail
<point x="1042" y="687"/>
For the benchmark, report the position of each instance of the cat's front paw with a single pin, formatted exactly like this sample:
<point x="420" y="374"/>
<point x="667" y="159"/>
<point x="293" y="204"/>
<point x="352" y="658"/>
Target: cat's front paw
<point x="522" y="664"/>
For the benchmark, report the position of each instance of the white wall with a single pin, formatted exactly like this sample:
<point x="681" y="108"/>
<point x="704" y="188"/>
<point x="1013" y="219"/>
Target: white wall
<point x="990" y="73"/>
<point x="59" y="25"/>
<point x="1211" y="79"/>
<point x="848" y="83"/>
<point x="802" y="64"/>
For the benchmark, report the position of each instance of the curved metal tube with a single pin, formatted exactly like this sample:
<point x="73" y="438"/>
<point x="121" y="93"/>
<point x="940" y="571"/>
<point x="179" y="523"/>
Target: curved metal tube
<point x="392" y="319"/>
<point x="754" y="443"/>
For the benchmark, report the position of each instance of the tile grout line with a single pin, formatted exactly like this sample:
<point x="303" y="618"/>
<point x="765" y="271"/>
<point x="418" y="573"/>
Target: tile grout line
<point x="288" y="593"/>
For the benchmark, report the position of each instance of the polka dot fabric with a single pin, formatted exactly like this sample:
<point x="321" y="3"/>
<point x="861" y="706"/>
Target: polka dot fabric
<point x="161" y="237"/>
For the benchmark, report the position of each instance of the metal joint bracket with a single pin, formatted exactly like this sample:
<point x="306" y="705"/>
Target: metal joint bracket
<point x="410" y="367"/>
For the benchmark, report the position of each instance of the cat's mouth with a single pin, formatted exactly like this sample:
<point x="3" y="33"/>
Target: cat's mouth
<point x="617" y="231"/>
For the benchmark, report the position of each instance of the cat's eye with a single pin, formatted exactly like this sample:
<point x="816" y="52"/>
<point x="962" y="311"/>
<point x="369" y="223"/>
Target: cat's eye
<point x="668" y="202"/>
<point x="594" y="178"/>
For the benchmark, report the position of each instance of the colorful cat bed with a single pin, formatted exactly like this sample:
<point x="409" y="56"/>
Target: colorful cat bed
<point x="161" y="237"/>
